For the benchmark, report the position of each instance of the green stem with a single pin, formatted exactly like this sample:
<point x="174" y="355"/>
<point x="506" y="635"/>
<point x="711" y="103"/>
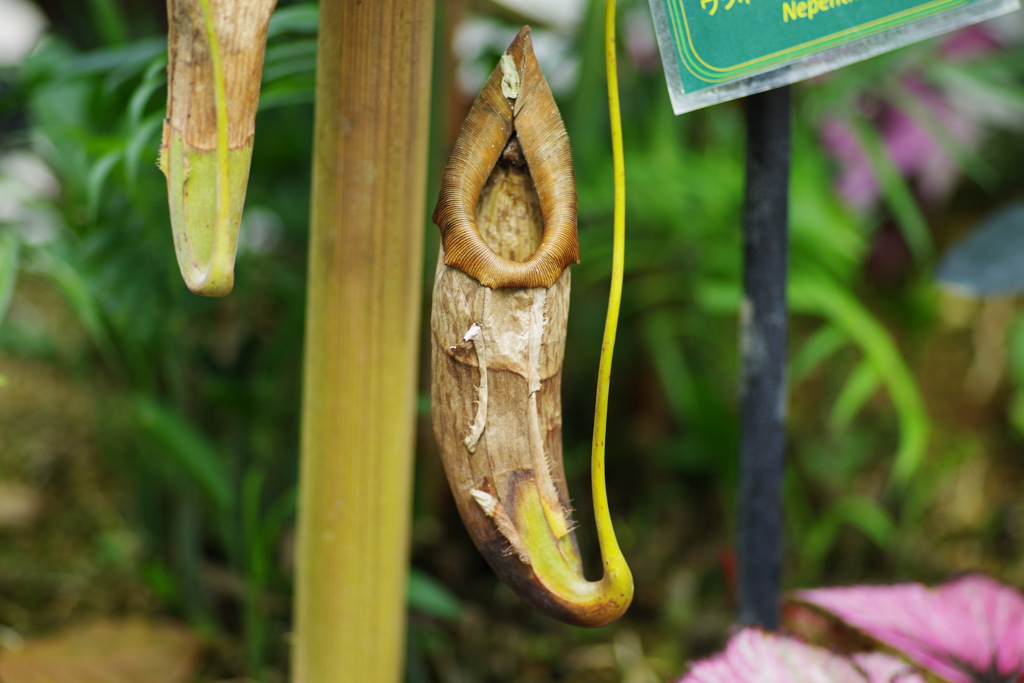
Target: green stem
<point x="362" y="337"/>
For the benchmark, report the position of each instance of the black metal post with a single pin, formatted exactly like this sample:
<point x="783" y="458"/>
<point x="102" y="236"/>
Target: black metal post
<point x="763" y="356"/>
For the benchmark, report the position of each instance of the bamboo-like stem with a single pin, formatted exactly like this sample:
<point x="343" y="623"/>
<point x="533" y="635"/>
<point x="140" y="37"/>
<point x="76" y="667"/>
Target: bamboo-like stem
<point x="363" y="312"/>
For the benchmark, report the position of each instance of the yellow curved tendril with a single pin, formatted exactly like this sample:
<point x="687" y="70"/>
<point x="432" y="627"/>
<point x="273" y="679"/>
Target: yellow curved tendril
<point x="617" y="572"/>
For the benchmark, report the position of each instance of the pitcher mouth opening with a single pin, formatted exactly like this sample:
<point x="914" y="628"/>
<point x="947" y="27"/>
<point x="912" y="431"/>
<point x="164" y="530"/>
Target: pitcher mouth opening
<point x="532" y="120"/>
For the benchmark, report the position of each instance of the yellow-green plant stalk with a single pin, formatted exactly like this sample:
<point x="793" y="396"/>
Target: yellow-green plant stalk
<point x="362" y="336"/>
<point x="507" y="214"/>
<point x="215" y="65"/>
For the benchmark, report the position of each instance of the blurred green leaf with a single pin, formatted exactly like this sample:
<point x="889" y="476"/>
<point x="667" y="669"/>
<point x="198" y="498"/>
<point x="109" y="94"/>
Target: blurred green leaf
<point x="1016" y="413"/>
<point x="672" y="368"/>
<point x="823" y="342"/>
<point x="812" y="293"/>
<point x="1015" y="357"/>
<point x="296" y="56"/>
<point x="108" y="21"/>
<point x="825" y="234"/>
<point x="428" y="596"/>
<point x="863" y="514"/>
<point x="94" y="182"/>
<point x="897" y="193"/>
<point x="153" y="81"/>
<point x="143" y="144"/>
<point x="301" y="18"/>
<point x="131" y="58"/>
<point x="982" y="81"/>
<point x="255" y="541"/>
<point x="162" y="581"/>
<point x="187" y="448"/>
<point x="10" y="247"/>
<point x="286" y="94"/>
<point x="79" y="297"/>
<point x="857" y="390"/>
<point x="1015" y="351"/>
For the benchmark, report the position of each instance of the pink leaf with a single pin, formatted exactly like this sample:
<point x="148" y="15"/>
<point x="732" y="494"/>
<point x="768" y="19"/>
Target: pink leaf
<point x="754" y="656"/>
<point x="970" y="630"/>
<point x="882" y="668"/>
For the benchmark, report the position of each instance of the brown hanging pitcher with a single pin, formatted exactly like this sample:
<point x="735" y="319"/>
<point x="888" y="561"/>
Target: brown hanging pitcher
<point x="507" y="215"/>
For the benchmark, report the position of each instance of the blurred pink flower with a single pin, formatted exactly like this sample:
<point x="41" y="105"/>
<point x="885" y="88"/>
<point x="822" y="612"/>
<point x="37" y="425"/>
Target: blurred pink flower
<point x="913" y="149"/>
<point x="754" y="656"/>
<point x="970" y="630"/>
<point x="912" y="144"/>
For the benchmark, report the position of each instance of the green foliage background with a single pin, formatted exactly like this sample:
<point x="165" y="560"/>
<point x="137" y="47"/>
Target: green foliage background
<point x="172" y="488"/>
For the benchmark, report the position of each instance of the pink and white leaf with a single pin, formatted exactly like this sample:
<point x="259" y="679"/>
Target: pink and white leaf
<point x="755" y="656"/>
<point x="879" y="667"/>
<point x="970" y="630"/>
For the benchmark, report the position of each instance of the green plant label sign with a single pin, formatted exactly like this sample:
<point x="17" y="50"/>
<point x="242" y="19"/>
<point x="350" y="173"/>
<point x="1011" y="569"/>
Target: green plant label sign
<point x="715" y="50"/>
